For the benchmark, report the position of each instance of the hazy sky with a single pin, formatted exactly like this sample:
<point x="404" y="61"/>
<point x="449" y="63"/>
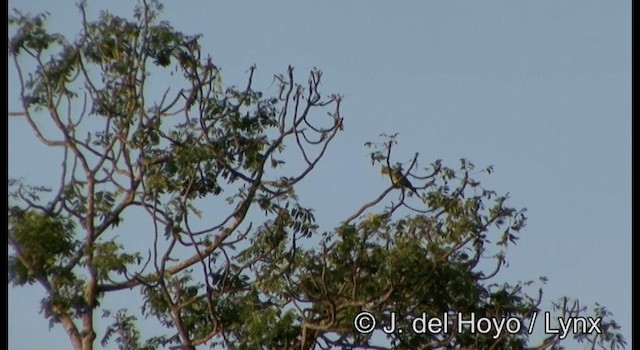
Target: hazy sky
<point x="540" y="89"/>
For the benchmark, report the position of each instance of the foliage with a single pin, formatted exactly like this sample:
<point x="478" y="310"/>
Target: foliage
<point x="233" y="256"/>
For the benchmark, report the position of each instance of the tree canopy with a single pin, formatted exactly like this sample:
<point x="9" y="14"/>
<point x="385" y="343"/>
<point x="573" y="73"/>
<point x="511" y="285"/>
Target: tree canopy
<point x="229" y="255"/>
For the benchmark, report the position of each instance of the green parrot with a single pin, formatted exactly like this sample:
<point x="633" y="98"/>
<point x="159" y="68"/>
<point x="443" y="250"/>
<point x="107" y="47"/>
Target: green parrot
<point x="398" y="179"/>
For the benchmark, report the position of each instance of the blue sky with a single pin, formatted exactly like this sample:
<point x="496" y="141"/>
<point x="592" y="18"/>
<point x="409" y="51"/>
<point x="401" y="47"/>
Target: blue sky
<point x="539" y="89"/>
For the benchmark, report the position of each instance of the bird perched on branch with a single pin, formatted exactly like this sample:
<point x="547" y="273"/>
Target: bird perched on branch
<point x="398" y="178"/>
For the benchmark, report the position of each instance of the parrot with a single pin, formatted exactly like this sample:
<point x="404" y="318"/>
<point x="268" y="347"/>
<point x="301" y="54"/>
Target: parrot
<point x="398" y="179"/>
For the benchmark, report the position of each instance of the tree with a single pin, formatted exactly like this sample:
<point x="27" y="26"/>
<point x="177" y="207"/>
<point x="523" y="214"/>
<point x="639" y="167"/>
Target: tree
<point x="230" y="254"/>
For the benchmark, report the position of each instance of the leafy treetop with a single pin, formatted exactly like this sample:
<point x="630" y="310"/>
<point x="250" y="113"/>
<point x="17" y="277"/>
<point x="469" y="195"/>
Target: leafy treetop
<point x="232" y="257"/>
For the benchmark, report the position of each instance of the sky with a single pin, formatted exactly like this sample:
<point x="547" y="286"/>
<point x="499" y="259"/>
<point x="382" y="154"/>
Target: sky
<point x="539" y="89"/>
